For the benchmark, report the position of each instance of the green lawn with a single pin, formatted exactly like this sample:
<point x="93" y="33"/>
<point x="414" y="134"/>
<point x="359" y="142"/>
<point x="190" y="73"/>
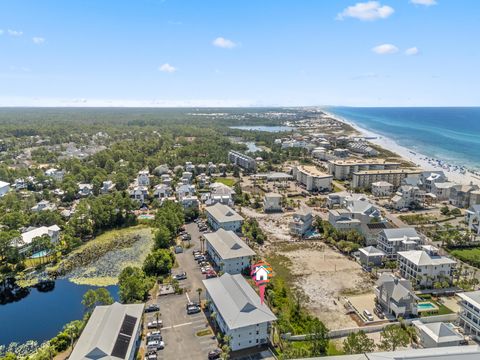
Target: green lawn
<point x="227" y="181"/>
<point x="470" y="256"/>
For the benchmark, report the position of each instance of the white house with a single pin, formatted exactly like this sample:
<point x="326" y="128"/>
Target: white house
<point x="139" y="193"/>
<point x="472" y="218"/>
<point x="382" y="188"/>
<point x="219" y="193"/>
<point x="221" y="216"/>
<point x="55" y="174"/>
<point x="43" y="205"/>
<point x="4" y="188"/>
<point x="272" y="202"/>
<point x="408" y="196"/>
<point x="26" y="238"/>
<point x="229" y="253"/>
<point x="301" y="222"/>
<point x="438" y="334"/>
<point x="143" y="178"/>
<point x="162" y="191"/>
<point x="183" y="190"/>
<point x="469" y="315"/>
<point x="391" y="241"/>
<point x="240" y="313"/>
<point x="107" y="186"/>
<point x="426" y="266"/>
<point x="85" y="190"/>
<point x="442" y="190"/>
<point x="189" y="201"/>
<point x="396" y="296"/>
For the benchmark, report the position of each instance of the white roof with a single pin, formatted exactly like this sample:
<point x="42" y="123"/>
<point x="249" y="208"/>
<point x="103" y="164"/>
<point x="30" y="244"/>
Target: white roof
<point x="107" y="333"/>
<point x="382" y="183"/>
<point x="401" y="234"/>
<point x="3" y="184"/>
<point x="228" y="245"/>
<point x="422" y="258"/>
<point x="223" y="213"/>
<point x="272" y="195"/>
<point x="371" y="251"/>
<point x="28" y="236"/>
<point x="473" y="297"/>
<point x="236" y="301"/>
<point x="439" y="332"/>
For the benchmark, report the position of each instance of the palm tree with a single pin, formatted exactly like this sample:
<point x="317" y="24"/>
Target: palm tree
<point x="213" y="316"/>
<point x="199" y="291"/>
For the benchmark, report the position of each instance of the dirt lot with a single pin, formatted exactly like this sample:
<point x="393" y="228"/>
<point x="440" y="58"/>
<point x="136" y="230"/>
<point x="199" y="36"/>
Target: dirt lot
<point x="325" y="277"/>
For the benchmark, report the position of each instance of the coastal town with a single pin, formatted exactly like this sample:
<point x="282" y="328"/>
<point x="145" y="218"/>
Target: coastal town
<point x="369" y="250"/>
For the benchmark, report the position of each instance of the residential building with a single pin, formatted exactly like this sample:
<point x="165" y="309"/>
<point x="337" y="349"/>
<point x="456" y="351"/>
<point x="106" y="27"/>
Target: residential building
<point x="438" y="334"/>
<point x="301" y="222"/>
<point x="362" y="147"/>
<point x="186" y="177"/>
<point x="19" y="184"/>
<point x="371" y="256"/>
<point x="189" y="167"/>
<point x="162" y="191"/>
<point x="365" y="179"/>
<point x="26" y="238"/>
<point x="408" y="197"/>
<point x="472" y="218"/>
<point x="339" y="198"/>
<point x="219" y="193"/>
<point x="112" y="333"/>
<point x="139" y="193"/>
<point x="85" y="190"/>
<point x="470" y="352"/>
<point x="56" y="174"/>
<point x="107" y="186"/>
<point x="272" y="202"/>
<point x="382" y="188"/>
<point x="183" y="190"/>
<point x="312" y="178"/>
<point x="469" y="315"/>
<point x="43" y="205"/>
<point x="425" y="267"/>
<point x="391" y="241"/>
<point x="189" y="201"/>
<point x="442" y="190"/>
<point x="344" y="169"/>
<point x="4" y="188"/>
<point x="166" y="179"/>
<point x="396" y="296"/>
<point x="221" y="216"/>
<point x="240" y="313"/>
<point x="244" y="161"/>
<point x="430" y="178"/>
<point x="341" y="153"/>
<point x="143" y="178"/>
<point x="461" y="195"/>
<point x="228" y="252"/>
<point x="272" y="176"/>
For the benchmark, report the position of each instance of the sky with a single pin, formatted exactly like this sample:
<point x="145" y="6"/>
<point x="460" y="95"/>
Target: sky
<point x="239" y="53"/>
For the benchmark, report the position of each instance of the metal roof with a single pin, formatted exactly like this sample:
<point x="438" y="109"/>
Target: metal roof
<point x="228" y="245"/>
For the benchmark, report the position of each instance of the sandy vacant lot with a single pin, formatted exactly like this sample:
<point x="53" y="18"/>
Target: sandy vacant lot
<point x="325" y="276"/>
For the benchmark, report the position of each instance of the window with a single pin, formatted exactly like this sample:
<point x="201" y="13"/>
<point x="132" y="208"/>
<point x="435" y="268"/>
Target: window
<point x="256" y="341"/>
<point x="258" y="332"/>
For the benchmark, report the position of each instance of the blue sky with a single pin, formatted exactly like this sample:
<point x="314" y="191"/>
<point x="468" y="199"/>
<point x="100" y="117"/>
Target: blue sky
<point x="239" y="52"/>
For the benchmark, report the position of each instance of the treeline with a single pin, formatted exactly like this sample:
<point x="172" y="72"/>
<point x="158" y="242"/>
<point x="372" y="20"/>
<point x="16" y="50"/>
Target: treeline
<point x="345" y="241"/>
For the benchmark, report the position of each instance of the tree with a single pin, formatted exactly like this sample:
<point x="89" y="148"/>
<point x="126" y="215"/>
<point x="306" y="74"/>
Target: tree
<point x="158" y="262"/>
<point x="392" y="337"/>
<point x="163" y="238"/>
<point x="73" y="330"/>
<point x="93" y="298"/>
<point x="199" y="291"/>
<point x="318" y="337"/>
<point x="133" y="285"/>
<point x="358" y="343"/>
<point x="444" y="210"/>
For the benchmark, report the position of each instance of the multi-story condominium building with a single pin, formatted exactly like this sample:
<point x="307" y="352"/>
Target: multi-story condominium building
<point x="442" y="190"/>
<point x="469" y="315"/>
<point x="396" y="296"/>
<point x="240" y="313"/>
<point x="272" y="202"/>
<point x="344" y="169"/>
<point x="301" y="222"/>
<point x="221" y="216"/>
<point x="472" y="218"/>
<point x="228" y="252"/>
<point x="425" y="267"/>
<point x="382" y="188"/>
<point x="365" y="179"/>
<point x="112" y="332"/>
<point x="391" y="241"/>
<point x="464" y="196"/>
<point x="242" y="160"/>
<point x="408" y="196"/>
<point x="312" y="178"/>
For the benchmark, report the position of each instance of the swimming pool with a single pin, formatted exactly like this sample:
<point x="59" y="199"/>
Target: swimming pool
<point x="427" y="306"/>
<point x="39" y="254"/>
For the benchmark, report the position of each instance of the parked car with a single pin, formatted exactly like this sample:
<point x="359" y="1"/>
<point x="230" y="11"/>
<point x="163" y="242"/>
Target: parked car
<point x="204" y="263"/>
<point x="152" y="335"/>
<point x="368" y="315"/>
<point x="211" y="274"/>
<point x="201" y="259"/>
<point x="214" y="354"/>
<point x="152" y="355"/>
<point x="181" y="276"/>
<point x="193" y="309"/>
<point x="155" y="344"/>
<point x="379" y="313"/>
<point x="206" y="269"/>
<point x="155" y="324"/>
<point x="152" y="308"/>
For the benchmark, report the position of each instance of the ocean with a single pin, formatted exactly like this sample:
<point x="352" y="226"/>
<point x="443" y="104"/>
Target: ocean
<point x="451" y="134"/>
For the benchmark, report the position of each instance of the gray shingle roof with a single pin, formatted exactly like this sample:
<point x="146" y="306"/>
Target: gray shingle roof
<point x="236" y="301"/>
<point x="223" y="213"/>
<point x="228" y="245"/>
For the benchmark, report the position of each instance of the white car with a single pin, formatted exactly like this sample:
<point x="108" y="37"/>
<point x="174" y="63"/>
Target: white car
<point x="151" y="356"/>
<point x="155" y="324"/>
<point x="156" y="344"/>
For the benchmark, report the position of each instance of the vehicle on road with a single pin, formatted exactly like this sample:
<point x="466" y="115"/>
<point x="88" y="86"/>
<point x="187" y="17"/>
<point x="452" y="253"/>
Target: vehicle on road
<point x="214" y="354"/>
<point x="152" y="308"/>
<point x="193" y="309"/>
<point x="181" y="276"/>
<point x="155" y="324"/>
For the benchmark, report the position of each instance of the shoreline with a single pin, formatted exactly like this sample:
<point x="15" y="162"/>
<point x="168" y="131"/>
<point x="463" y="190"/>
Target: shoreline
<point x="421" y="160"/>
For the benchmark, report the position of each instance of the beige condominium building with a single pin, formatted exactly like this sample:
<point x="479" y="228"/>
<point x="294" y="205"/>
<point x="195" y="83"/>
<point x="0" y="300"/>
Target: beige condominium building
<point x="365" y="179"/>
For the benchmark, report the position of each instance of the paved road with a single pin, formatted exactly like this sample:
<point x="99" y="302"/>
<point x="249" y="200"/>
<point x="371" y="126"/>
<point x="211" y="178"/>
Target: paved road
<point x="179" y="329"/>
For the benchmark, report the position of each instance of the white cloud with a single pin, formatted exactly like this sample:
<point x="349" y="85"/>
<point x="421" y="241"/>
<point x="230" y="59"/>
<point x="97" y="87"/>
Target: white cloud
<point x="385" y="49"/>
<point x="14" y="32"/>
<point x="167" y="68"/>
<point x="224" y="43"/>
<point x="367" y="11"/>
<point x="412" y="51"/>
<point x="38" y="40"/>
<point x="424" y="2"/>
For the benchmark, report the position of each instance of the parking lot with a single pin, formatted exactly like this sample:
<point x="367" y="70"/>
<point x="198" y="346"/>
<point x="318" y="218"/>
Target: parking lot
<point x="180" y="329"/>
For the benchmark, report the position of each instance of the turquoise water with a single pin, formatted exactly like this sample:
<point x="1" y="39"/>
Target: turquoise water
<point x="39" y="254"/>
<point x="426" y="306"/>
<point x="263" y="128"/>
<point x="448" y="133"/>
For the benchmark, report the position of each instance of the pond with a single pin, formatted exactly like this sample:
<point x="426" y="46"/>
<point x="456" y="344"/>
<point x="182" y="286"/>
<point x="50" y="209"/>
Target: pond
<point x="41" y="315"/>
<point x="263" y="128"/>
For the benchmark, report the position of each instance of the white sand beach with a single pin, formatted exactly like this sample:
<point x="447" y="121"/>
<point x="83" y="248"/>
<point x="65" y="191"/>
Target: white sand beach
<point x="420" y="160"/>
